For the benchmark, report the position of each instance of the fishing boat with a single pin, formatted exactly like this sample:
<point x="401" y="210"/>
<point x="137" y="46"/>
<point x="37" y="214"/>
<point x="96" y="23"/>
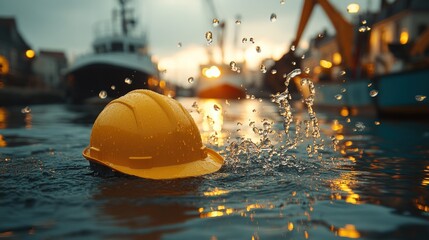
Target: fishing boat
<point x="120" y="62"/>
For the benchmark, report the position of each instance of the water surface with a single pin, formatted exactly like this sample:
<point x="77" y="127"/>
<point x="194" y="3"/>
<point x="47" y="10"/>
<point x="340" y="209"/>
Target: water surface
<point x="373" y="186"/>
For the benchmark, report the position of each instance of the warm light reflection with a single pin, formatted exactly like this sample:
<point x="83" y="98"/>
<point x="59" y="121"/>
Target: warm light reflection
<point x="28" y="119"/>
<point x="425" y="181"/>
<point x="30" y="53"/>
<point x="212" y="72"/>
<point x="215" y="192"/>
<point x="290" y="226"/>
<point x="212" y="116"/>
<point x="211" y="214"/>
<point x="336" y="126"/>
<point x="3" y="118"/>
<point x="344" y="184"/>
<point x="3" y="143"/>
<point x="403" y="38"/>
<point x="317" y="70"/>
<point x="348" y="231"/>
<point x="253" y="206"/>
<point x="325" y="63"/>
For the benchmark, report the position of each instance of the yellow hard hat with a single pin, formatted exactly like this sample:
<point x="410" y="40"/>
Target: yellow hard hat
<point x="150" y="135"/>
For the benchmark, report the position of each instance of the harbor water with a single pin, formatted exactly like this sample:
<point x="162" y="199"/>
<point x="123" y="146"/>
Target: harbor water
<point x="361" y="178"/>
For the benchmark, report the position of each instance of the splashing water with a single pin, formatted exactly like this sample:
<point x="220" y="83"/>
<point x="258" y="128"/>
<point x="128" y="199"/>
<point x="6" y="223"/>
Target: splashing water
<point x="273" y="17"/>
<point x="209" y="37"/>
<point x="190" y="80"/>
<point x="102" y="94"/>
<point x="215" y="22"/>
<point x="128" y="81"/>
<point x="272" y="149"/>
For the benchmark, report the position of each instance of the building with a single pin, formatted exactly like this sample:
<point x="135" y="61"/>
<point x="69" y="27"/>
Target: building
<point x="398" y="28"/>
<point x="16" y="56"/>
<point x="48" y="68"/>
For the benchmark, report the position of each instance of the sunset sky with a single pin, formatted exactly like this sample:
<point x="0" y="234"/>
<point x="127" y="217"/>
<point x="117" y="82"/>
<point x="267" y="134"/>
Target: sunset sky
<point x="69" y="26"/>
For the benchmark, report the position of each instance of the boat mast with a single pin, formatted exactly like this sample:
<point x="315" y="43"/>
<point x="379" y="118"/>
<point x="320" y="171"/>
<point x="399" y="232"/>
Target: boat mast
<point x="126" y="20"/>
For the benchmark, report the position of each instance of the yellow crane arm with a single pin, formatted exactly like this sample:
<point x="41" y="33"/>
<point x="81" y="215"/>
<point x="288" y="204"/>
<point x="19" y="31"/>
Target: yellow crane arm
<point x="344" y="29"/>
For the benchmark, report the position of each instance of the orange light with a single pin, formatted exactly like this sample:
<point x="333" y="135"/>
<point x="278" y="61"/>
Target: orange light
<point x="162" y="84"/>
<point x="348" y="231"/>
<point x="403" y="38"/>
<point x="212" y="72"/>
<point x="30" y="54"/>
<point x="325" y="64"/>
<point x="336" y="58"/>
<point x="4" y="65"/>
<point x="344" y="112"/>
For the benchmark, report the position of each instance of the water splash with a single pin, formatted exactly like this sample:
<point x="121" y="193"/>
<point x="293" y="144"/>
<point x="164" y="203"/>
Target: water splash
<point x="276" y="149"/>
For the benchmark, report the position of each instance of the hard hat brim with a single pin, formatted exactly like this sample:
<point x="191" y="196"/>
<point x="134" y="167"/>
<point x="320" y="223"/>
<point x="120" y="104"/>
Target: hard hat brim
<point x="212" y="163"/>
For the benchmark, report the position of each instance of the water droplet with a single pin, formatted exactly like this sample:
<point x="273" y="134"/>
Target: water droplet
<point x="263" y="68"/>
<point x="363" y="21"/>
<point x="373" y="93"/>
<point x="338" y="97"/>
<point x="238" y="22"/>
<point x="282" y="2"/>
<point x="254" y="110"/>
<point x="27" y="109"/>
<point x="343" y="90"/>
<point x="256" y="130"/>
<point x="190" y="80"/>
<point x="233" y="65"/>
<point x="209" y="37"/>
<point x="320" y="35"/>
<point x="128" y="81"/>
<point x="252" y="40"/>
<point x="369" y="84"/>
<point x="420" y="98"/>
<point x="216" y="107"/>
<point x="258" y="49"/>
<point x="244" y="40"/>
<point x="377" y="123"/>
<point x="307" y="70"/>
<point x="102" y="94"/>
<point x="303" y="56"/>
<point x="294" y="63"/>
<point x="251" y="124"/>
<point x="113" y="87"/>
<point x="179" y="44"/>
<point x="342" y="73"/>
<point x="215" y="22"/>
<point x="239" y="124"/>
<point x="273" y="71"/>
<point x="195" y="105"/>
<point x="360" y="126"/>
<point x="292" y="48"/>
<point x="362" y="29"/>
<point x="273" y="17"/>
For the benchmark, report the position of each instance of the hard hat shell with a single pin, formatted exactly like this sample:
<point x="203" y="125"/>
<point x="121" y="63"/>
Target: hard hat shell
<point x="150" y="135"/>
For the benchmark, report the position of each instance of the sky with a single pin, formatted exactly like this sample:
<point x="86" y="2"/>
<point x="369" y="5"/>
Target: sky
<point x="69" y="26"/>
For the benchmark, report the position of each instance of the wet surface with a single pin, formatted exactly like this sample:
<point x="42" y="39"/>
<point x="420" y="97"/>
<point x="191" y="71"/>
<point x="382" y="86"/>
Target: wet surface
<point x="373" y="186"/>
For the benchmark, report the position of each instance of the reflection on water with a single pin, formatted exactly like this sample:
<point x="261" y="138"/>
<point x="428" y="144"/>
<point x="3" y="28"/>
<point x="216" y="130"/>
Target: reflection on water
<point x="373" y="185"/>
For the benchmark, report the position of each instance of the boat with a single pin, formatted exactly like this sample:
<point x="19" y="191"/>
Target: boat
<point x="219" y="81"/>
<point x="120" y="62"/>
<point x="377" y="64"/>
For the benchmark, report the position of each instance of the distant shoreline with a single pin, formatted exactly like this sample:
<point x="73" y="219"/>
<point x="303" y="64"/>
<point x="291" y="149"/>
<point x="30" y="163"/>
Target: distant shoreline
<point x="10" y="96"/>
